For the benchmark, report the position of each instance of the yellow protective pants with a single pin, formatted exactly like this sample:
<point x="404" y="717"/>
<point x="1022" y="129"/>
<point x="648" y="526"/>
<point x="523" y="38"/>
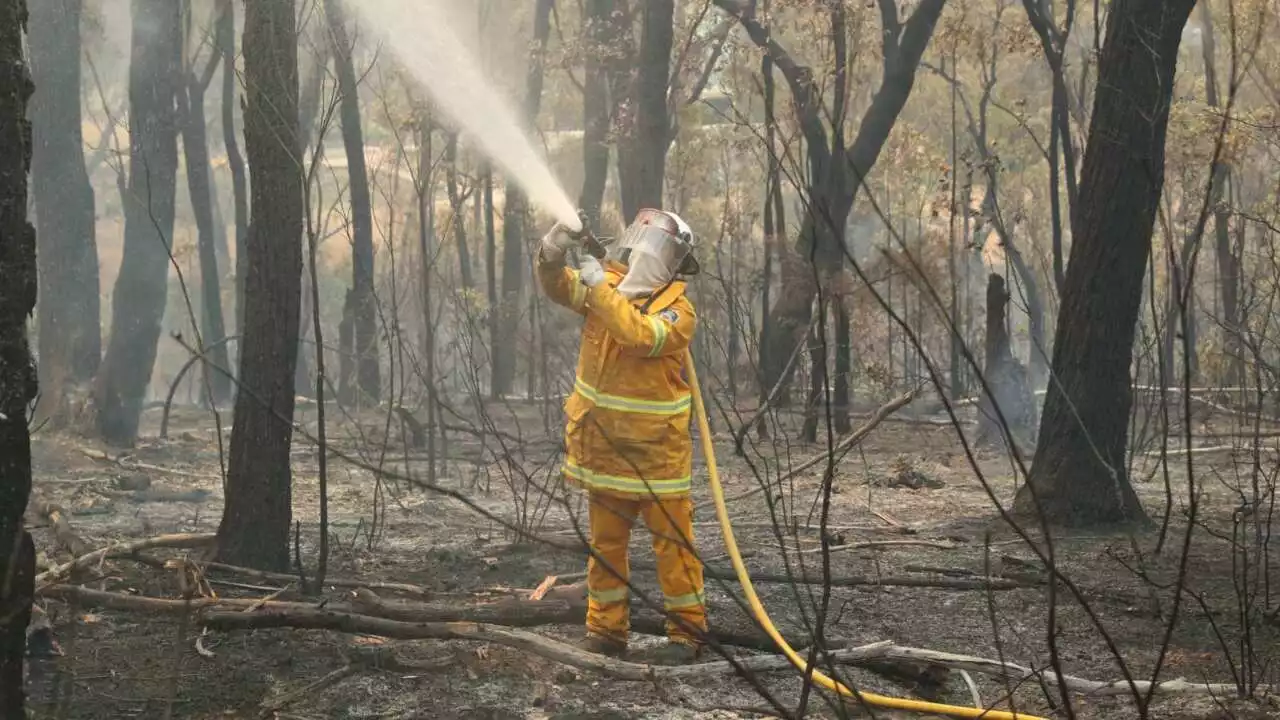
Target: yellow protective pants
<point x="679" y="570"/>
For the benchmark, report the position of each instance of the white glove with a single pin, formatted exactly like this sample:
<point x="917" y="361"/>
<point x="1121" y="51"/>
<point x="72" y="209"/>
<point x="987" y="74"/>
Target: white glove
<point x="556" y="242"/>
<point x="590" y="272"/>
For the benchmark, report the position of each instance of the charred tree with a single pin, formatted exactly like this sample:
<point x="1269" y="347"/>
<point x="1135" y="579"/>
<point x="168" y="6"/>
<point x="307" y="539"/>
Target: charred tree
<point x="195" y="148"/>
<point x="361" y="304"/>
<point x="256" y="518"/>
<point x="1007" y="401"/>
<point x="225" y="36"/>
<point x="18" y="280"/>
<point x="1079" y="475"/>
<point x="141" y="288"/>
<point x="642" y="155"/>
<point x="836" y="171"/>
<point x="70" y="336"/>
<point x="514" y="215"/>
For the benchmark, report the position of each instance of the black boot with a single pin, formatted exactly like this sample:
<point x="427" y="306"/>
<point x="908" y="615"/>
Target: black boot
<point x="677" y="652"/>
<point x="601" y="645"/>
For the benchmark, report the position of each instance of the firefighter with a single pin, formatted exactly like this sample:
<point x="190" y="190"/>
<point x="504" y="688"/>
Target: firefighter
<point x="627" y="437"/>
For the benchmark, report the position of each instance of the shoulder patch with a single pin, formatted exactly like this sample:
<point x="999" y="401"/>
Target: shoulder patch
<point x="669" y="315"/>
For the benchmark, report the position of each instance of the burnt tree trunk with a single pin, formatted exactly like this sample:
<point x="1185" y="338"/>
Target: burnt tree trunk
<point x="141" y="288"/>
<point x="1079" y="475"/>
<point x="362" y="307"/>
<point x="255" y="525"/>
<point x="70" y="336"/>
<point x="18" y="280"/>
<point x="514" y="215"/>
<point x="195" y="148"/>
<point x="1007" y="396"/>
<point x="643" y="153"/>
<point x="226" y="39"/>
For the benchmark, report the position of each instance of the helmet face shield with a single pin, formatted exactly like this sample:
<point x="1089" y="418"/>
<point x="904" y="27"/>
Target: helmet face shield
<point x="661" y="239"/>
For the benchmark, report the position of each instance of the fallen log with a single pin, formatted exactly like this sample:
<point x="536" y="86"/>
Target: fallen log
<point x="565" y="609"/>
<point x="519" y="639"/>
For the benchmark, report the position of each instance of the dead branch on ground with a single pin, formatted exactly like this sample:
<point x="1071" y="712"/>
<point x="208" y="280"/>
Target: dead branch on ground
<point x="517" y="639"/>
<point x="181" y="540"/>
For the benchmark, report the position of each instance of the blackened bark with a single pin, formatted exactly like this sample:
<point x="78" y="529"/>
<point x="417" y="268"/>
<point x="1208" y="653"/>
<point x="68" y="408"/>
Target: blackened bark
<point x="18" y="281"/>
<point x="256" y="518"/>
<point x="1006" y="380"/>
<point x="597" y="118"/>
<point x="70" y="336"/>
<point x="364" y="311"/>
<point x="643" y="153"/>
<point x="226" y="39"/>
<point x="195" y="148"/>
<point x="844" y="366"/>
<point x="514" y="212"/>
<point x="141" y="288"/>
<point x="1079" y="475"/>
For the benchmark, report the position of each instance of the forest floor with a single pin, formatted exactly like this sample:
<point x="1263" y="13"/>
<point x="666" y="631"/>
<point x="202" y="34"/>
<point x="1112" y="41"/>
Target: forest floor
<point x="907" y="506"/>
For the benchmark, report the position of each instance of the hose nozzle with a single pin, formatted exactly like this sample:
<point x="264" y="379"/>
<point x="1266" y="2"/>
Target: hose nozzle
<point x="588" y="238"/>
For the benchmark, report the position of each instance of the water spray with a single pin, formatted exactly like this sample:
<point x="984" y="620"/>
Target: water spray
<point x="423" y="37"/>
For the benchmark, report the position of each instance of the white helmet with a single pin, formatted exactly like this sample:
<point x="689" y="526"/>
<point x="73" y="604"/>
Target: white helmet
<point x="663" y="238"/>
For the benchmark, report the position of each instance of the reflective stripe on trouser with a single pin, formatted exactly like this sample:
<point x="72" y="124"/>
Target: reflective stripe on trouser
<point x="679" y="571"/>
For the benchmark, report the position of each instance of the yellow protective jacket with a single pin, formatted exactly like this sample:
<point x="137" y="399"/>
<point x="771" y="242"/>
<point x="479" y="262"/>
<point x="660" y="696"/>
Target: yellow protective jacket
<point x="628" y="415"/>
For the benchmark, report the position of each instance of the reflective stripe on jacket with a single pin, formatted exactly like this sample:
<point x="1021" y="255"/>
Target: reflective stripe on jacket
<point x="628" y="415"/>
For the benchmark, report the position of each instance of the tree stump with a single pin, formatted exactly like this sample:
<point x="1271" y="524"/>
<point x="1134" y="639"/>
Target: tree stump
<point x="1008" y="388"/>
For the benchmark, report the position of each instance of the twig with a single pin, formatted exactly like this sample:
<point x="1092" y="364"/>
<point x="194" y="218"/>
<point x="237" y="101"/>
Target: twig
<point x="334" y="582"/>
<point x="275" y="705"/>
<point x="184" y="540"/>
<point x="1082" y="686"/>
<point x="133" y="465"/>
<point x="837" y="452"/>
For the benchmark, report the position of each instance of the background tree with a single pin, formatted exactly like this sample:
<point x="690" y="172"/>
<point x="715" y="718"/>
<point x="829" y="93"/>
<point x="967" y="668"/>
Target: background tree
<point x="256" y="518"/>
<point x="195" y="148"/>
<point x="646" y="124"/>
<point x="361" y="310"/>
<point x="1079" y="474"/>
<point x="514" y="219"/>
<point x="141" y="289"/>
<point x="69" y="337"/>
<point x="17" y="373"/>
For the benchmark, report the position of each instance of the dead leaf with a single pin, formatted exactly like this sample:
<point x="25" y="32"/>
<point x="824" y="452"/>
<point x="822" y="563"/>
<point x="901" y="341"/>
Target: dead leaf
<point x="541" y="591"/>
<point x="369" y="640"/>
<point x="482" y="652"/>
<point x="90" y="618"/>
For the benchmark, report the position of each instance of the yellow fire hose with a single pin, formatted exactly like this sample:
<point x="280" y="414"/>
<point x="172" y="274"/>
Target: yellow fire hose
<point x="757" y="609"/>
